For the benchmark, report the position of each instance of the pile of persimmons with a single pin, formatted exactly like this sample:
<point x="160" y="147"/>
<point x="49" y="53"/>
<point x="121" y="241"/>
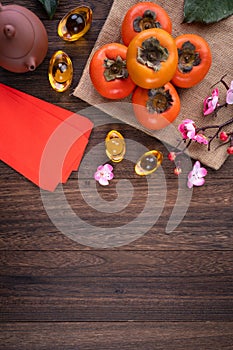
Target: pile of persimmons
<point x="149" y="65"/>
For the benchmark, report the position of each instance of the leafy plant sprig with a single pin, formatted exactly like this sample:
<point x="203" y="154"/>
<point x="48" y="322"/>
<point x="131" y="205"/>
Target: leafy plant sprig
<point x="50" y="6"/>
<point x="208" y="11"/>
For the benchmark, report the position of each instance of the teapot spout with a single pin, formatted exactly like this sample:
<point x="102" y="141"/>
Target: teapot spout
<point x="31" y="64"/>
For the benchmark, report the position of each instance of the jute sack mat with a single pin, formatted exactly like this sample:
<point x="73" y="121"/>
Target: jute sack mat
<point x="220" y="38"/>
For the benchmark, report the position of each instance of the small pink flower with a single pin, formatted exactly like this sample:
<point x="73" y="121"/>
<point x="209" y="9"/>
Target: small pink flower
<point x="195" y="177"/>
<point x="104" y="174"/>
<point x="211" y="102"/>
<point x="229" y="98"/>
<point x="200" y="139"/>
<point x="187" y="129"/>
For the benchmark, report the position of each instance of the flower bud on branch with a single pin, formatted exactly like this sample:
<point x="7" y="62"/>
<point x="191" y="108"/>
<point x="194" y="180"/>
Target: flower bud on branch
<point x="191" y="133"/>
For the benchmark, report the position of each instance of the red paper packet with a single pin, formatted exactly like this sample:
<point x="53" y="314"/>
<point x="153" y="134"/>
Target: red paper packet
<point x="43" y="142"/>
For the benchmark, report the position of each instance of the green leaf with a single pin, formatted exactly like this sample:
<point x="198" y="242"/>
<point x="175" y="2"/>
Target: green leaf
<point x="207" y="11"/>
<point x="50" y="6"/>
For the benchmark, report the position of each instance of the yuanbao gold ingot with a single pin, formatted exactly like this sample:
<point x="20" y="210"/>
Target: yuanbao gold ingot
<point x="148" y="162"/>
<point x="75" y="23"/>
<point x="115" y="146"/>
<point x="60" y="71"/>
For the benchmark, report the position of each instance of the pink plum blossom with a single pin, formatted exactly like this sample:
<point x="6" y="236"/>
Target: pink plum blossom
<point x="187" y="129"/>
<point x="104" y="174"/>
<point x="211" y="102"/>
<point x="200" y="139"/>
<point x="229" y="98"/>
<point x="196" y="175"/>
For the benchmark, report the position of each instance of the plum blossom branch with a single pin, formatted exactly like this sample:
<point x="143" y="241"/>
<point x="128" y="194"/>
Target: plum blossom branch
<point x="219" y="127"/>
<point x="191" y="133"/>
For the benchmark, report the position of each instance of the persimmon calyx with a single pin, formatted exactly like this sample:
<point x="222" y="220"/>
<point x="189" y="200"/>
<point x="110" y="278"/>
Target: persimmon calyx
<point x="188" y="57"/>
<point x="151" y="53"/>
<point x="115" y="69"/>
<point x="146" y="21"/>
<point x="159" y="100"/>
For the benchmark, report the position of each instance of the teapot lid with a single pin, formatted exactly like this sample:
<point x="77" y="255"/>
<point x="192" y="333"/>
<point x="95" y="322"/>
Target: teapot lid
<point x="16" y="32"/>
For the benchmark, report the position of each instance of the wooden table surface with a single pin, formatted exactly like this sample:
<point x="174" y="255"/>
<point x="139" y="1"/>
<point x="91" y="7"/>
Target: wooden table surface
<point x="159" y="291"/>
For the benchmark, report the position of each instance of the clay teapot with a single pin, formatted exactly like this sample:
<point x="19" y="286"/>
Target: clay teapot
<point x="23" y="39"/>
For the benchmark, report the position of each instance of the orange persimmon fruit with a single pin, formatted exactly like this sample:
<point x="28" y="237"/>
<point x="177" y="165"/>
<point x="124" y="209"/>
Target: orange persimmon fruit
<point x="156" y="108"/>
<point x="194" y="60"/>
<point x="152" y="58"/>
<point x="142" y="16"/>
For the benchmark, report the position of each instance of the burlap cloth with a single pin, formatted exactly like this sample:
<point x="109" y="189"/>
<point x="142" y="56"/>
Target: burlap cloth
<point x="220" y="38"/>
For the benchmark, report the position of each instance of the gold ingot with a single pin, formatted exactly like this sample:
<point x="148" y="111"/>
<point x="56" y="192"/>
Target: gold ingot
<point x="75" y="23"/>
<point x="148" y="162"/>
<point x="115" y="146"/>
<point x="60" y="71"/>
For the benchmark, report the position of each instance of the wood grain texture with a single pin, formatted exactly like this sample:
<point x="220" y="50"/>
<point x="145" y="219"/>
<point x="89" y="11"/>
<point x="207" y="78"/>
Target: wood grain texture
<point x="115" y="335"/>
<point x="160" y="291"/>
<point x="102" y="286"/>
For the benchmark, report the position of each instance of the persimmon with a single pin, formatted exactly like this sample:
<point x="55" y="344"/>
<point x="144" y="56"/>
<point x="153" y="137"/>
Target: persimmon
<point x="143" y="16"/>
<point x="194" y="60"/>
<point x="156" y="108"/>
<point x="108" y="71"/>
<point x="152" y="58"/>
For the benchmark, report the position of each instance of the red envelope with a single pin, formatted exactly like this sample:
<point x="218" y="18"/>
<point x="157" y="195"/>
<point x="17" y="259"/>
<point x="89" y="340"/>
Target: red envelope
<point x="81" y="123"/>
<point x="43" y="142"/>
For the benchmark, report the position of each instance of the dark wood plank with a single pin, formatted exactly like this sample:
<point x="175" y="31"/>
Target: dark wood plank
<point x="117" y="335"/>
<point x="108" y="286"/>
<point x="107" y="263"/>
<point x="35" y="299"/>
<point x="26" y="225"/>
